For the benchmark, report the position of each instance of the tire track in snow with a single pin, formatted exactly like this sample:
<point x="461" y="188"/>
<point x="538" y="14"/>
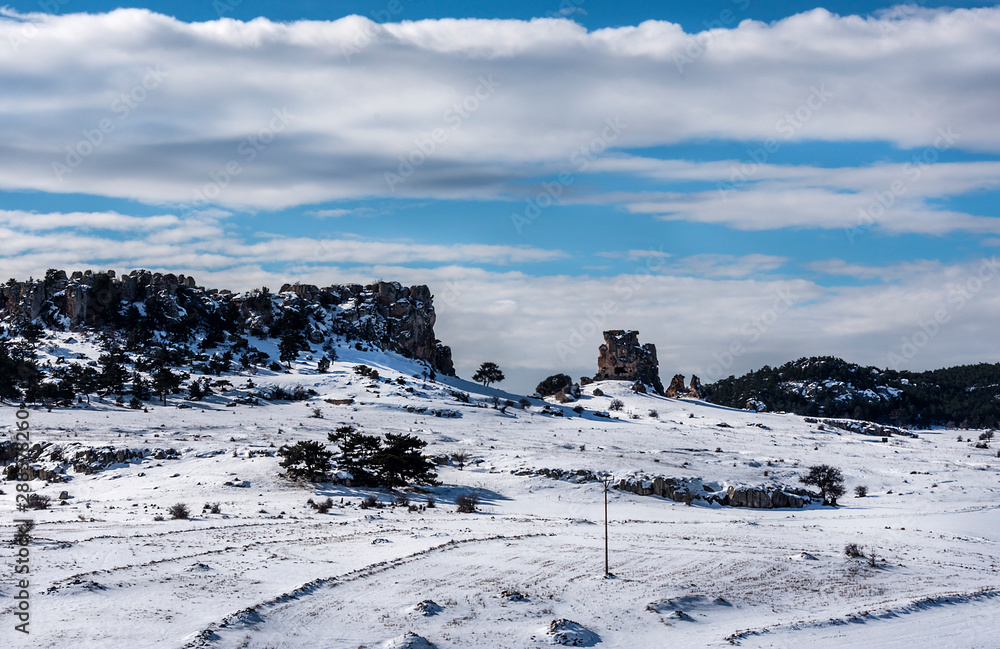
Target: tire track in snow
<point x="208" y="637"/>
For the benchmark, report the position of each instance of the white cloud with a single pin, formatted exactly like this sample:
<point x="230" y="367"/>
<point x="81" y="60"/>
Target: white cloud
<point x="22" y="220"/>
<point x="330" y="214"/>
<point x="155" y="109"/>
<point x="200" y="242"/>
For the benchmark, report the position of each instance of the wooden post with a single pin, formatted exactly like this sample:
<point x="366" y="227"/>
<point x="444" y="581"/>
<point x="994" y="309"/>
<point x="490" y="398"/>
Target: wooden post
<point x="606" y="481"/>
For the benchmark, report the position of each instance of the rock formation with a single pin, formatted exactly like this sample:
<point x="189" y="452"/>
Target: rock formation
<point x="622" y="358"/>
<point x="386" y="314"/>
<point x="676" y="387"/>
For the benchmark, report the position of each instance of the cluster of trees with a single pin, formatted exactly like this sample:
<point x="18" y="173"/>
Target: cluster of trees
<point x="966" y="396"/>
<point x="393" y="460"/>
<point x="21" y="377"/>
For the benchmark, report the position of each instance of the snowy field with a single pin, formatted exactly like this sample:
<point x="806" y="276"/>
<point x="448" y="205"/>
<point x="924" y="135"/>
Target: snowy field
<point x="270" y="571"/>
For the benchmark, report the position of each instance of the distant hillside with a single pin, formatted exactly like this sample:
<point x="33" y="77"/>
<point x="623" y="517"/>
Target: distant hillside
<point x="966" y="396"/>
<point x="147" y="321"/>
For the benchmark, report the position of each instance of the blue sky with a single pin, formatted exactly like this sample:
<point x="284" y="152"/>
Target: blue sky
<point x="676" y="168"/>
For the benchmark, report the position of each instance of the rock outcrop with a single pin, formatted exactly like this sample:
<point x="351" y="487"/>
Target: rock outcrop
<point x="696" y="389"/>
<point x="622" y="358"/>
<point x="678" y="389"/>
<point x="386" y="314"/>
<point x="750" y="497"/>
<point x="688" y="490"/>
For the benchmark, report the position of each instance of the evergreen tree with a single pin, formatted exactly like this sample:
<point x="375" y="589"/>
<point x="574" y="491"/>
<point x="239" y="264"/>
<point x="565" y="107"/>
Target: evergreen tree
<point x="488" y="373"/>
<point x="288" y="348"/>
<point x="400" y="461"/>
<point x="9" y="376"/>
<point x="166" y="381"/>
<point x="140" y="387"/>
<point x="307" y="460"/>
<point x="394" y="461"/>
<point x="113" y="373"/>
<point x="85" y="378"/>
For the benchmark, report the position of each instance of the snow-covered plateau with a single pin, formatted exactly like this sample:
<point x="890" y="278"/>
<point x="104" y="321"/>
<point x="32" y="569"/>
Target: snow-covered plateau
<point x="109" y="567"/>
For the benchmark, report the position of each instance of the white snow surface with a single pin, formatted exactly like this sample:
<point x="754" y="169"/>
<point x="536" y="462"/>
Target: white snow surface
<point x="269" y="571"/>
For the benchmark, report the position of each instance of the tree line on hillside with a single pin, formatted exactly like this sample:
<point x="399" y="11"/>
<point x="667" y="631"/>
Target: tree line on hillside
<point x="966" y="396"/>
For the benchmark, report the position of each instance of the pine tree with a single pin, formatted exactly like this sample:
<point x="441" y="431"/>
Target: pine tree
<point x="166" y="381"/>
<point x="113" y="373"/>
<point x="307" y="460"/>
<point x="488" y="373"/>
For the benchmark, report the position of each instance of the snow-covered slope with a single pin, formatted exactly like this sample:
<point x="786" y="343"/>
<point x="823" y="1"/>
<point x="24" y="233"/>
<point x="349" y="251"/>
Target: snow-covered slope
<point x="527" y="569"/>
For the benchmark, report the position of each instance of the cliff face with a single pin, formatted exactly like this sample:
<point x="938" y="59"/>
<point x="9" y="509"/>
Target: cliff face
<point x="386" y="314"/>
<point x="622" y="358"/>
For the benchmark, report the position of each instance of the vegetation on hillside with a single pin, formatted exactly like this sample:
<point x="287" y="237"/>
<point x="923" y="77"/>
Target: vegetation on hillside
<point x="967" y="396"/>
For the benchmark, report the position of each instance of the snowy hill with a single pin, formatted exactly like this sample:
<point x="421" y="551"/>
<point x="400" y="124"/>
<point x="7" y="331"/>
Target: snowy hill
<point x="966" y="396"/>
<point x="110" y="567"/>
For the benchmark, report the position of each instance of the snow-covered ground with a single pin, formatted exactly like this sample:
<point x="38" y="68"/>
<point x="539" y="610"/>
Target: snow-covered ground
<point x="269" y="571"/>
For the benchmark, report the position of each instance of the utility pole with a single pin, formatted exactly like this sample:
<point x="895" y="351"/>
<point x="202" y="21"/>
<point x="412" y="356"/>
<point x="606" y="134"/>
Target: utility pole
<point x="606" y="481"/>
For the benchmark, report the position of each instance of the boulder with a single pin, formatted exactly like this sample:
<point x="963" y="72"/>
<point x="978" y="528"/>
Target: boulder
<point x="554" y="384"/>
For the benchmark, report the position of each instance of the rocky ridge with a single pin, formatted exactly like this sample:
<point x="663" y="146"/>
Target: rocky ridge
<point x="386" y="314"/>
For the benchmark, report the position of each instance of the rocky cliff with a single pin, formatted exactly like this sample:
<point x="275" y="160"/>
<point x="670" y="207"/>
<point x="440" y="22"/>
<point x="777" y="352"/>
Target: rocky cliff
<point x="386" y="314"/>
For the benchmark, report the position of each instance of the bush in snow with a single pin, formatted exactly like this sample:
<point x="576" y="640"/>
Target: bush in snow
<point x="179" y="511"/>
<point x="853" y="550"/>
<point x="860" y="491"/>
<point x="616" y="405"/>
<point x="467" y="502"/>
<point x="370" y="502"/>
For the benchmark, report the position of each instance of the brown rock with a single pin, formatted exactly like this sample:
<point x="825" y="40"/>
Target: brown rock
<point x="623" y="359"/>
<point x="676" y="387"/>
